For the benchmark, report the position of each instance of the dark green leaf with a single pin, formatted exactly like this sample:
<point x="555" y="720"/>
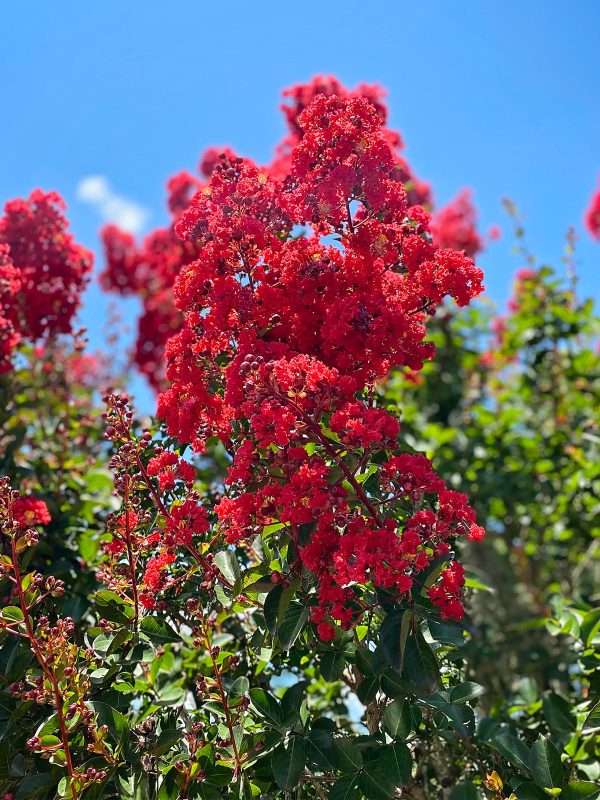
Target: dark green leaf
<point x="466" y="691"/>
<point x="346" y="756"/>
<point x="166" y="740"/>
<point x="158" y="631"/>
<point x="397" y="719"/>
<point x="393" y="685"/>
<point x="267" y="706"/>
<point x="288" y="763"/>
<point x="114" y="720"/>
<point x="375" y="784"/>
<point x="34" y="786"/>
<point x="318" y="747"/>
<point x="512" y="748"/>
<point x="271" y="608"/>
<point x="420" y="663"/>
<point x="446" y="633"/>
<point x="465" y="790"/>
<point x="580" y="790"/>
<point x="113" y="608"/>
<point x="169" y="788"/>
<point x="368" y="688"/>
<point x="590" y="626"/>
<point x="292" y="623"/>
<point x="558" y="714"/>
<point x="393" y="636"/>
<point x="462" y="717"/>
<point x="345" y="788"/>
<point x="529" y="791"/>
<point x="592" y="721"/>
<point x="396" y="763"/>
<point x="332" y="665"/>
<point x="292" y="700"/>
<point x="545" y="764"/>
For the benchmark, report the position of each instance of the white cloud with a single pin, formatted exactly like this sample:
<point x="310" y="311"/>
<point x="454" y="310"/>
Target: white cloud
<point x="127" y="214"/>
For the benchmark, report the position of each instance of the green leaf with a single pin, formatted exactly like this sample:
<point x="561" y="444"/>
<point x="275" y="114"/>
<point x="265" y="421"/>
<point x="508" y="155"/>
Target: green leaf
<point x="267" y="706"/>
<point x="239" y="687"/>
<point x="272" y="608"/>
<point x="113" y="608"/>
<point x="396" y="763"/>
<point x="545" y="764"/>
<point x="393" y="685"/>
<point x="464" y="790"/>
<point x="318" y="746"/>
<point x="115" y="721"/>
<point x="512" y="748"/>
<point x="332" y="665"/>
<point x="345" y="788"/>
<point x="420" y="663"/>
<point x="446" y="633"/>
<point x="462" y="717"/>
<point x="558" y="713"/>
<point x="288" y="763"/>
<point x="397" y="719"/>
<point x="592" y="721"/>
<point x="18" y="766"/>
<point x="292" y="623"/>
<point x="292" y="701"/>
<point x="169" y="788"/>
<point x="590" y="626"/>
<point x="368" y="688"/>
<point x="158" y="631"/>
<point x="34" y="786"/>
<point x="50" y="740"/>
<point x="393" y="636"/>
<point x="218" y="777"/>
<point x="346" y="756"/>
<point x="529" y="791"/>
<point x="12" y="613"/>
<point x="228" y="565"/>
<point x="466" y="691"/>
<point x="166" y="740"/>
<point x="375" y="784"/>
<point x="580" y="790"/>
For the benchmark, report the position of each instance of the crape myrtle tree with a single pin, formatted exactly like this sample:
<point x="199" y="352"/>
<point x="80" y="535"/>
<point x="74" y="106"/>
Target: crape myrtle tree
<point x="267" y="599"/>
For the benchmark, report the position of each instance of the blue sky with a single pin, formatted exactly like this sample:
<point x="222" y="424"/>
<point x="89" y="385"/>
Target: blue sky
<point x="499" y="96"/>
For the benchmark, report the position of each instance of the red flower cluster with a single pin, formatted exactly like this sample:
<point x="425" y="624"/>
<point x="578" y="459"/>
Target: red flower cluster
<point x="42" y="272"/>
<point x="592" y="216"/>
<point x="455" y="226"/>
<point x="148" y="270"/>
<point x="29" y="511"/>
<point x="308" y="289"/>
<point x="169" y="468"/>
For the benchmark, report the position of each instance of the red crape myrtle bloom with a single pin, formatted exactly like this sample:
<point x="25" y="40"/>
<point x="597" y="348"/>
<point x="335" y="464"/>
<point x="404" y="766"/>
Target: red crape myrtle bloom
<point x="455" y="226"/>
<point x="148" y="270"/>
<point x="592" y="216"/>
<point x="42" y="272"/>
<point x="29" y="511"/>
<point x="312" y="282"/>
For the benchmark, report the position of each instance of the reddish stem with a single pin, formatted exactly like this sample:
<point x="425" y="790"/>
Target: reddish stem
<point x="58" y="698"/>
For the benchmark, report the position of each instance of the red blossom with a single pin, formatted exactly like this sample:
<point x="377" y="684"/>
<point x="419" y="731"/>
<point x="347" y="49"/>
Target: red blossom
<point x="29" y="511"/>
<point x="42" y="272"/>
<point x="592" y="216"/>
<point x="455" y="226"/>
